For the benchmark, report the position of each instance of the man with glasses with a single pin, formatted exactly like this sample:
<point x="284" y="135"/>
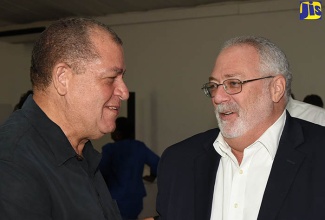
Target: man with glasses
<point x="260" y="163"/>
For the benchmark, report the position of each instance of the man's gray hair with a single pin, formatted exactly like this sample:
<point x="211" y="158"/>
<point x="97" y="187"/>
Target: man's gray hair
<point x="272" y="58"/>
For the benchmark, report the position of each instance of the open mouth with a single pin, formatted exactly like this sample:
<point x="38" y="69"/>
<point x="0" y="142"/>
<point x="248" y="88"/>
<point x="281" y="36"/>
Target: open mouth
<point x="113" y="108"/>
<point x="227" y="113"/>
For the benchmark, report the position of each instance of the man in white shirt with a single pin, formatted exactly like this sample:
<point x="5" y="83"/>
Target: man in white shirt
<point x="306" y="111"/>
<point x="261" y="163"/>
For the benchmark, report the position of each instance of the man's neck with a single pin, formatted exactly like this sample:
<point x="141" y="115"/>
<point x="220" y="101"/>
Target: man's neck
<point x="56" y="114"/>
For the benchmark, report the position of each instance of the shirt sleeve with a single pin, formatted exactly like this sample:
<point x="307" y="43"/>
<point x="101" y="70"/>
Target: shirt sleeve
<point x="152" y="161"/>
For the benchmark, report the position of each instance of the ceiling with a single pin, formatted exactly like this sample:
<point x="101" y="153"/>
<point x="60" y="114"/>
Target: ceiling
<point x="20" y="13"/>
<point x="15" y="12"/>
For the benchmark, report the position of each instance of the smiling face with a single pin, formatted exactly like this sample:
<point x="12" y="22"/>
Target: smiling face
<point x="250" y="111"/>
<point x="94" y="96"/>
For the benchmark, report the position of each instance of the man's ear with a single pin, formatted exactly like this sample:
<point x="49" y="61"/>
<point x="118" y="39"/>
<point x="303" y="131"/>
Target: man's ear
<point x="61" y="74"/>
<point x="278" y="87"/>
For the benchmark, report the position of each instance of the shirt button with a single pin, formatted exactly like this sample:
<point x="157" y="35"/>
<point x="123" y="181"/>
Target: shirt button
<point x="235" y="205"/>
<point x="241" y="171"/>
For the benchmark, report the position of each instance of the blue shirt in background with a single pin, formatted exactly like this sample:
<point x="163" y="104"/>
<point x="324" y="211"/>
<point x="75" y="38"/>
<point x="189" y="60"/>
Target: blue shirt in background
<point x="122" y="167"/>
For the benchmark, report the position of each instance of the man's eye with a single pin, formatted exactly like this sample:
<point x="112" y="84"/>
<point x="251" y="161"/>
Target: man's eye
<point x="110" y="80"/>
<point x="233" y="83"/>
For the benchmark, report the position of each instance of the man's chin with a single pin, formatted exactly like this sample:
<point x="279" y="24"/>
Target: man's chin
<point x="228" y="133"/>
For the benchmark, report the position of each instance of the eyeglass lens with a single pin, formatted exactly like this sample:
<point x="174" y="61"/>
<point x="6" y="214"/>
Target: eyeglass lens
<point x="231" y="86"/>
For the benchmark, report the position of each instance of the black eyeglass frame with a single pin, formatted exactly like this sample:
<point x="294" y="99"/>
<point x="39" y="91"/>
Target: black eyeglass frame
<point x="216" y="85"/>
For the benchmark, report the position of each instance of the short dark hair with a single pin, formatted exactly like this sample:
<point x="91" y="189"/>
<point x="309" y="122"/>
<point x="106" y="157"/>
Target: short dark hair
<point x="123" y="130"/>
<point x="66" y="40"/>
<point x="314" y="100"/>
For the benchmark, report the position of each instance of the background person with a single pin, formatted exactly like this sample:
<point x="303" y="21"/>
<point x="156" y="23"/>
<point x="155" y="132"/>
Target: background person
<point x="314" y="100"/>
<point x="48" y="166"/>
<point x="306" y="111"/>
<point x="122" y="167"/>
<point x="262" y="164"/>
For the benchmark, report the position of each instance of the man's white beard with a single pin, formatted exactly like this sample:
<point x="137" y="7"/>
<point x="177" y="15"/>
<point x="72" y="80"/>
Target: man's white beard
<point x="248" y="118"/>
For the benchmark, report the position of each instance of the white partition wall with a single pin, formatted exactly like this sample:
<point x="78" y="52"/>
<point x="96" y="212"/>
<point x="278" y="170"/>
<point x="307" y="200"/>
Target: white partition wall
<point x="170" y="54"/>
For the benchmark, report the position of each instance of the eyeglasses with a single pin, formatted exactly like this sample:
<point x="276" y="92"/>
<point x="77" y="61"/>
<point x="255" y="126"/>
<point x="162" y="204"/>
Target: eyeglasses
<point x="231" y="86"/>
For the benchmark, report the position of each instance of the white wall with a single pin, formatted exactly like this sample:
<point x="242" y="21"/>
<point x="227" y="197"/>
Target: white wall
<point x="170" y="54"/>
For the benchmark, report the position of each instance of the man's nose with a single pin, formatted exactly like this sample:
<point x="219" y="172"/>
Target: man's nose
<point x="220" y="95"/>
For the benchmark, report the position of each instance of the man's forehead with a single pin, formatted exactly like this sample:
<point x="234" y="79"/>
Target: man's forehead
<point x="239" y="61"/>
<point x="238" y="49"/>
<point x="236" y="56"/>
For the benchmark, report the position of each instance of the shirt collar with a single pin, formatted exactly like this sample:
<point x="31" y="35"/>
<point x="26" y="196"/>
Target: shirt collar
<point x="55" y="139"/>
<point x="269" y="139"/>
<point x="92" y="156"/>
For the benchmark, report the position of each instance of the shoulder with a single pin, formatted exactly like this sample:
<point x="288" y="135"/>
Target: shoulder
<point x="306" y="111"/>
<point x="193" y="145"/>
<point x="307" y="136"/>
<point x="199" y="138"/>
<point x="108" y="147"/>
<point x="313" y="131"/>
<point x="12" y="132"/>
<point x="308" y="126"/>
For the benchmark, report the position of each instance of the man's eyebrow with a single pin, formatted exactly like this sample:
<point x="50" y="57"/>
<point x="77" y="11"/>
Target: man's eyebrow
<point x="228" y="76"/>
<point x="119" y="70"/>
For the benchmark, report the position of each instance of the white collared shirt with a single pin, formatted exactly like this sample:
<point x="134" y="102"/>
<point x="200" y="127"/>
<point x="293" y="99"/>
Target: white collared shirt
<point x="239" y="189"/>
<point x="306" y="111"/>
